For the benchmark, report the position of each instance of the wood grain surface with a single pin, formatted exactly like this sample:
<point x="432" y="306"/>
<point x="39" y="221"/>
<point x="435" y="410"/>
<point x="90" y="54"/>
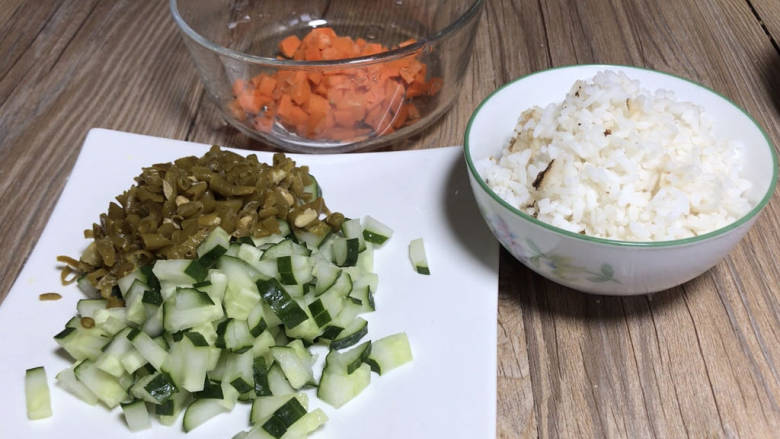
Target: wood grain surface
<point x="700" y="360"/>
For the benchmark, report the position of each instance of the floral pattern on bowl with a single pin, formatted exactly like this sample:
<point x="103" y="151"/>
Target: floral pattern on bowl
<point x="554" y="265"/>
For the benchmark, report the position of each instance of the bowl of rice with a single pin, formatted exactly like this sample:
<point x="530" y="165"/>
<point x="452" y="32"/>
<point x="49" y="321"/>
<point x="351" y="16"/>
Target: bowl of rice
<point x="617" y="180"/>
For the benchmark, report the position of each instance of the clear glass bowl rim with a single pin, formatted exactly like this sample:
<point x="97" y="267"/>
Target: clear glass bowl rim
<point x="461" y="21"/>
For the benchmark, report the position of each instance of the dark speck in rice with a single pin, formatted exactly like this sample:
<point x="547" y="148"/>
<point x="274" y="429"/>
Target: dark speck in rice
<point x="540" y="176"/>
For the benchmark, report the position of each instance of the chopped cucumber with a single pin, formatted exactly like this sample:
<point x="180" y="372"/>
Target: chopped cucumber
<point x="217" y="238"/>
<point x="36" y="392"/>
<point x="125" y="282"/>
<point x="196" y="336"/>
<point x="277" y="381"/>
<point x="265" y="406"/>
<point x="288" y="311"/>
<point x="106" y="387"/>
<point x="168" y="412"/>
<point x="285" y="248"/>
<point x="136" y="415"/>
<point x="351" y="359"/>
<point x="306" y="424"/>
<point x="341" y="286"/>
<point x="296" y="369"/>
<point x="200" y="411"/>
<point x="173" y="270"/>
<point x="326" y="274"/>
<point x="256" y="321"/>
<point x="346" y="251"/>
<point x="262" y="387"/>
<point x="311" y="240"/>
<point x="82" y="343"/>
<point x="375" y="232"/>
<point x="294" y="270"/>
<point x="337" y="387"/>
<point x="389" y="352"/>
<point x="148" y="348"/>
<point x="67" y="380"/>
<point x="155" y="388"/>
<point x="353" y="230"/>
<point x="351" y="334"/>
<point x="417" y="256"/>
<point x="88" y="307"/>
<point x="234" y="335"/>
<point x="284" y="417"/>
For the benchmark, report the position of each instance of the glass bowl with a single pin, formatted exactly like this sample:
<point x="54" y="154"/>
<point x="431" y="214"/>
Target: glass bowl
<point x="330" y="75"/>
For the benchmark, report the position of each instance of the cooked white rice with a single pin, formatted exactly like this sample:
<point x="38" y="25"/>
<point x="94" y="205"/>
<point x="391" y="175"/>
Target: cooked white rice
<point x="624" y="163"/>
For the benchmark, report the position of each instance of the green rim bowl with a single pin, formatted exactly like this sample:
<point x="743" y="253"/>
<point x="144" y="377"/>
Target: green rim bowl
<point x="606" y="266"/>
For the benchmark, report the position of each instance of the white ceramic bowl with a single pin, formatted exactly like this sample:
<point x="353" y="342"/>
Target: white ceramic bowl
<point x="605" y="266"/>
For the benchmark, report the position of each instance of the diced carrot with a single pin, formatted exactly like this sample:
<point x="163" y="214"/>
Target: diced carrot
<point x="336" y="95"/>
<point x="400" y="117"/>
<point x="394" y="90"/>
<point x="312" y="53"/>
<point x="410" y="70"/>
<point x="329" y="122"/>
<point x="321" y="37"/>
<point x="290" y="113"/>
<point x="322" y="89"/>
<point x="338" y="81"/>
<point x="255" y="81"/>
<point x="350" y="99"/>
<point x="376" y="94"/>
<point x="317" y="106"/>
<point x="285" y="106"/>
<point x="415" y="89"/>
<point x="380" y="119"/>
<point x="394" y="100"/>
<point x="373" y="72"/>
<point x="344" y="118"/>
<point x="349" y="115"/>
<point x="263" y="123"/>
<point x="360" y="78"/>
<point x="408" y="42"/>
<point x="299" y="77"/>
<point x="346" y="47"/>
<point x="324" y="31"/>
<point x="372" y="49"/>
<point x="285" y="77"/>
<point x="266" y="85"/>
<point x="315" y="124"/>
<point x="250" y="102"/>
<point x="412" y="110"/>
<point x="342" y="104"/>
<point x="300" y="92"/>
<point x="289" y="45"/>
<point x="330" y="53"/>
<point x="315" y="77"/>
<point x="390" y="70"/>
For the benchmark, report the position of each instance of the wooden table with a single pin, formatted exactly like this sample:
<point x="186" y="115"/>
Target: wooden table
<point x="701" y="360"/>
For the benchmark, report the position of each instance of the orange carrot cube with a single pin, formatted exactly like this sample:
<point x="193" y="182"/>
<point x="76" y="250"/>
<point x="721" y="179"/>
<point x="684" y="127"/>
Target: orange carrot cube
<point x="289" y="45"/>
